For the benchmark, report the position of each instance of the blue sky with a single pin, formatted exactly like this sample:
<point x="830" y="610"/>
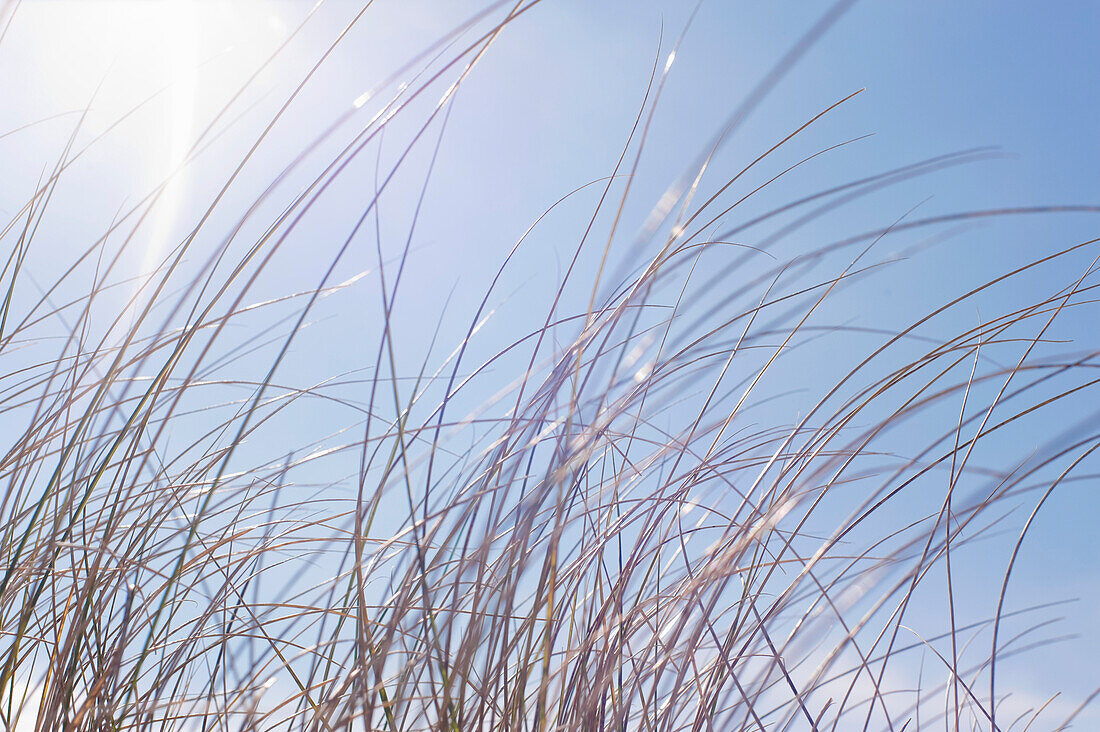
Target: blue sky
<point x="548" y="109"/>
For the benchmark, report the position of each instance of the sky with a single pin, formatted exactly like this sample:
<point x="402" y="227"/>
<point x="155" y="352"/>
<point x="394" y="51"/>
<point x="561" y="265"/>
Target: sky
<point x="547" y="110"/>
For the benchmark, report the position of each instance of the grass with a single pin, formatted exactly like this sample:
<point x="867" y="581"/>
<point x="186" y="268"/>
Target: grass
<point x="611" y="519"/>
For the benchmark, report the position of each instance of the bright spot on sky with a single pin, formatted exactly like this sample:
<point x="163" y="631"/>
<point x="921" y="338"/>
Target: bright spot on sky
<point x="162" y="67"/>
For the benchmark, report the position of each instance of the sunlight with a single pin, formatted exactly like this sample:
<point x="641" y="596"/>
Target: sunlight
<point x="178" y="27"/>
<point x="178" y="59"/>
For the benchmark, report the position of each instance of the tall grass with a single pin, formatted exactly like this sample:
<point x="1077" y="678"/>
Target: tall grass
<point x="613" y="519"/>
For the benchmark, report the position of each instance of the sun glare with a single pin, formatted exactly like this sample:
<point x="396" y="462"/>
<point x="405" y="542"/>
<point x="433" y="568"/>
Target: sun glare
<point x="178" y="30"/>
<point x="174" y="60"/>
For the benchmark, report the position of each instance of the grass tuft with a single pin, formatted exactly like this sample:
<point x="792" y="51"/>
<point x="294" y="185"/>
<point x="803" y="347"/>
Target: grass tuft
<point x="682" y="491"/>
